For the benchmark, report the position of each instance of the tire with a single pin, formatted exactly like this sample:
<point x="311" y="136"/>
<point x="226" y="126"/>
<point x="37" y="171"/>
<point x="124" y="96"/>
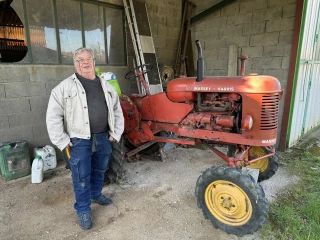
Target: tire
<point x="116" y="162"/>
<point x="231" y="200"/>
<point x="267" y="166"/>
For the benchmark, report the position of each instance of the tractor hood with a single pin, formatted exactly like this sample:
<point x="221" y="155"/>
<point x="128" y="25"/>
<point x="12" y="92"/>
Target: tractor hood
<point x="240" y="84"/>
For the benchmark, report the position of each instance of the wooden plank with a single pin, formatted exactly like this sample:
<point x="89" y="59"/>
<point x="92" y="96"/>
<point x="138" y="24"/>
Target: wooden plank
<point x="233" y="60"/>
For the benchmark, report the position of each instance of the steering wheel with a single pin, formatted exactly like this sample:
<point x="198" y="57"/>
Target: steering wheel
<point x="132" y="73"/>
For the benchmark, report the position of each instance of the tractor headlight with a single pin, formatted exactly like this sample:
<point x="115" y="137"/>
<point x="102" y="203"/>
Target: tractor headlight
<point x="246" y="122"/>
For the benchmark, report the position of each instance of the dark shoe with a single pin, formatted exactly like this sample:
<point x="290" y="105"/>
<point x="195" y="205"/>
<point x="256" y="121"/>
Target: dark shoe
<point x="85" y="221"/>
<point x="102" y="200"/>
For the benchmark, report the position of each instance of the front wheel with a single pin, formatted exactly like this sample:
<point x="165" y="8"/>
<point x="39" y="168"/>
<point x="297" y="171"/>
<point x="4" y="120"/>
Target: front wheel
<point x="267" y="166"/>
<point x="231" y="200"/>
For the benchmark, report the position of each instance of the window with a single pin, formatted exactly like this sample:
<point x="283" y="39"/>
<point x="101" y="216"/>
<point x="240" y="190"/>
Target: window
<point x="56" y="28"/>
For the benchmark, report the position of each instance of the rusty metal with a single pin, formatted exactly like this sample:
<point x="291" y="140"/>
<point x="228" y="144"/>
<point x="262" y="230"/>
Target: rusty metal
<point x="174" y="140"/>
<point x="243" y="59"/>
<point x="138" y="149"/>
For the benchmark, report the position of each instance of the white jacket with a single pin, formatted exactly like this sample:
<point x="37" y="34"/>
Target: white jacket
<point x="67" y="113"/>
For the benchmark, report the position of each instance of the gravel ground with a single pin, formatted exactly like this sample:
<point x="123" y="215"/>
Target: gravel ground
<point x="155" y="201"/>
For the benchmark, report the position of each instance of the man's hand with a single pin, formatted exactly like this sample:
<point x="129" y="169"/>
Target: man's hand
<point x="70" y="144"/>
<point x="112" y="139"/>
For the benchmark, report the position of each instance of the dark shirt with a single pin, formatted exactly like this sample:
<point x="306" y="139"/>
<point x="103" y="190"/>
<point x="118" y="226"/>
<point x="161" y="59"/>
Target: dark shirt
<point x="97" y="105"/>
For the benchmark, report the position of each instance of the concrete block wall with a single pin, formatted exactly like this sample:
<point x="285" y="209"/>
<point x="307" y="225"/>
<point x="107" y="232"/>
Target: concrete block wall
<point x="262" y="29"/>
<point x="25" y="89"/>
<point x="165" y="19"/>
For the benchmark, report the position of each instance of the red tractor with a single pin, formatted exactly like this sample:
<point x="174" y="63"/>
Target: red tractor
<point x="240" y="112"/>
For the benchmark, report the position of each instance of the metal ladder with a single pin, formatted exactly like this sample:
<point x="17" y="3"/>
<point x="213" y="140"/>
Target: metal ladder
<point x="132" y="22"/>
<point x="138" y="48"/>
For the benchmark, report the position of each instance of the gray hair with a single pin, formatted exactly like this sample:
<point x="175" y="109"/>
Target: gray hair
<point x="80" y="50"/>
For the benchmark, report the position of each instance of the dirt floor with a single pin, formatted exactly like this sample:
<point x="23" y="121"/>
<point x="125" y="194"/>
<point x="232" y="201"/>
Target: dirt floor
<point x="156" y="201"/>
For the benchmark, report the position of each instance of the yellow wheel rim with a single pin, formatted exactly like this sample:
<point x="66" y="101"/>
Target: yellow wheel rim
<point x="261" y="164"/>
<point x="228" y="203"/>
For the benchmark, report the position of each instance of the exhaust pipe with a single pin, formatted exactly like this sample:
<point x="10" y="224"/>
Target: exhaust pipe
<point x="200" y="63"/>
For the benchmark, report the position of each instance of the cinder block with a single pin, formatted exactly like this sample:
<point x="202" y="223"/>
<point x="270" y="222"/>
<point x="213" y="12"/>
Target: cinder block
<point x="16" y="105"/>
<point x="252" y="52"/>
<point x="261" y="4"/>
<point x="280" y="74"/>
<point x="289" y="10"/>
<point x="223" y="53"/>
<point x="286" y="37"/>
<point x="272" y="3"/>
<point x="278" y="25"/>
<point x="39" y="103"/>
<point x="171" y="12"/>
<point x="50" y="86"/>
<point x="207" y="35"/>
<point x="25" y="89"/>
<point x="239" y="19"/>
<point x="159" y="42"/>
<point x="27" y="119"/>
<point x="240" y="41"/>
<point x="215" y="43"/>
<point x="208" y="54"/>
<point x="285" y="62"/>
<point x="265" y="39"/>
<point x="253" y="28"/>
<point x="216" y="22"/>
<point x="2" y="93"/>
<point x="173" y="22"/>
<point x="171" y="43"/>
<point x="277" y="51"/>
<point x="166" y="53"/>
<point x="258" y="71"/>
<point x="233" y="31"/>
<point x="267" y="14"/>
<point x="16" y="134"/>
<point x="51" y="73"/>
<point x="217" y="64"/>
<point x="231" y="9"/>
<point x="4" y="122"/>
<point x="219" y="72"/>
<point x="40" y="130"/>
<point x="247" y="6"/>
<point x="200" y="26"/>
<point x="267" y="63"/>
<point x="17" y="72"/>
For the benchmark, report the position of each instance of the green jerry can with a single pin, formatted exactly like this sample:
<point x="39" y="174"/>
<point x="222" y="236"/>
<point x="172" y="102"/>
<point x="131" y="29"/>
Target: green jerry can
<point x="14" y="160"/>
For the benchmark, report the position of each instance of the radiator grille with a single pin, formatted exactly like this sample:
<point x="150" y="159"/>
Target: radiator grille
<point x="269" y="112"/>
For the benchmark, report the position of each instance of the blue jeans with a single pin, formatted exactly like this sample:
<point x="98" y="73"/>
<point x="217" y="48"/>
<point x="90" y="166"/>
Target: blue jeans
<point x="88" y="162"/>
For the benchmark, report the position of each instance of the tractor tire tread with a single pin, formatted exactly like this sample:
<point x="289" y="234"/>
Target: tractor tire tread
<point x="254" y="192"/>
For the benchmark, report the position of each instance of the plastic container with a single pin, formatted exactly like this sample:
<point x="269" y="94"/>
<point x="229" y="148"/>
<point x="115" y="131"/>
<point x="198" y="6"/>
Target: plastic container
<point x="111" y="79"/>
<point x="37" y="170"/>
<point x="48" y="155"/>
<point x="14" y="160"/>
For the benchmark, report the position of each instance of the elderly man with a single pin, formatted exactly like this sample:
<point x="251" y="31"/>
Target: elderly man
<point x="84" y="113"/>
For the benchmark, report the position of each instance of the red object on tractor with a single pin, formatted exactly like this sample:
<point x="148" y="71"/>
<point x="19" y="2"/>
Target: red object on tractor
<point x="241" y="112"/>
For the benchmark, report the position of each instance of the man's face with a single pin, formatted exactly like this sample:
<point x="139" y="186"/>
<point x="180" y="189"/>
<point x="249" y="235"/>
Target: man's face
<point x="84" y="63"/>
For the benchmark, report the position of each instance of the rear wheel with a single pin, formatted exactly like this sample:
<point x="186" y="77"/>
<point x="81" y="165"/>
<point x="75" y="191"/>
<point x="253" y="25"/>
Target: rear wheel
<point x="231" y="200"/>
<point x="116" y="162"/>
<point x="267" y="166"/>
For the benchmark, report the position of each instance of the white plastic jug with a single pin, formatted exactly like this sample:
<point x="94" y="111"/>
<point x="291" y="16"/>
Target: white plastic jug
<point x="37" y="170"/>
<point x="48" y="155"/>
